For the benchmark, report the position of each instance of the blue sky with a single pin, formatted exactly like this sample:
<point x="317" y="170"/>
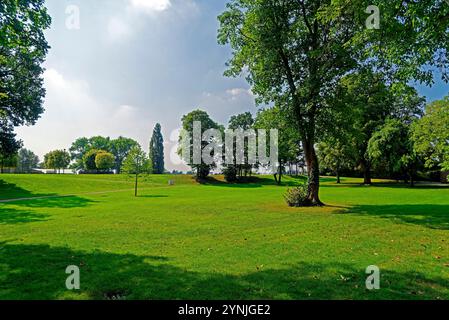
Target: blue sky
<point x="133" y="63"/>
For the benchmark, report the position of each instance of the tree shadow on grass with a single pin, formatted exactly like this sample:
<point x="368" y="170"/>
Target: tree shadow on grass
<point x="21" y="211"/>
<point x="64" y="202"/>
<point x="14" y="216"/>
<point x="251" y="182"/>
<point x="429" y="215"/>
<point x="12" y="191"/>
<point x="38" y="272"/>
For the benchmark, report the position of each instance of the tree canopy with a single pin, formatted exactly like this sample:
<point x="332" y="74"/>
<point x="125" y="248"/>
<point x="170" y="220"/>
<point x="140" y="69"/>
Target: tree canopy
<point x="58" y="159"/>
<point x="202" y="170"/>
<point x="294" y="53"/>
<point x="23" y="49"/>
<point x="431" y="135"/>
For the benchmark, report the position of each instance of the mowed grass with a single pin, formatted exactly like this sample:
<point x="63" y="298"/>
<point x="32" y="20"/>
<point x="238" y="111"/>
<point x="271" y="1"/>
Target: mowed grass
<point x="218" y="241"/>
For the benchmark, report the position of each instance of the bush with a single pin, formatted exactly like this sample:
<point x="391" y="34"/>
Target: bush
<point x="89" y="159"/>
<point x="230" y="173"/>
<point x="296" y="197"/>
<point x="104" y="160"/>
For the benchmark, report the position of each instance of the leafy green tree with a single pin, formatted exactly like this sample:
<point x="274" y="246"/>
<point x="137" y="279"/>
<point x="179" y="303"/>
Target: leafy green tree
<point x="294" y="52"/>
<point x="8" y="146"/>
<point x="336" y="155"/>
<point x="289" y="141"/>
<point x="157" y="151"/>
<point x="202" y="170"/>
<point x="104" y="161"/>
<point x="57" y="160"/>
<point x="364" y="101"/>
<point x="431" y="135"/>
<point x="100" y="143"/>
<point x="120" y="148"/>
<point x="26" y="161"/>
<point x="391" y="146"/>
<point x="77" y="151"/>
<point x="22" y="52"/>
<point x="136" y="163"/>
<point x="243" y="121"/>
<point x="89" y="159"/>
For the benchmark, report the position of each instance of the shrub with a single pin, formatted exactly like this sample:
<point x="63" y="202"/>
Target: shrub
<point x="104" y="161"/>
<point x="296" y="197"/>
<point x="230" y="173"/>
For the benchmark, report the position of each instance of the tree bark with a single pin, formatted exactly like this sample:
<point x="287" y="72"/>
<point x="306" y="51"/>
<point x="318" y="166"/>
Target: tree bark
<point x="278" y="180"/>
<point x="135" y="186"/>
<point x="338" y="177"/>
<point x="367" y="173"/>
<point x="412" y="181"/>
<point x="313" y="172"/>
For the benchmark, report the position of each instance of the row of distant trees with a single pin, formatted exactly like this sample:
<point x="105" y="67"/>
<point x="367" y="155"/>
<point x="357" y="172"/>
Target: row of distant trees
<point x="379" y="131"/>
<point x="289" y="145"/>
<point x="95" y="155"/>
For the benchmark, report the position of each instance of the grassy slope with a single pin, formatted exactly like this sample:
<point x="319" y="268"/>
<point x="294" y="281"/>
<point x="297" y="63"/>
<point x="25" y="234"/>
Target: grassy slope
<point x="219" y="241"/>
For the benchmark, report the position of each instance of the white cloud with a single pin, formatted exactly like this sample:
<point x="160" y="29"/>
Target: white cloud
<point x="150" y="5"/>
<point x="73" y="112"/>
<point x="237" y="93"/>
<point x="118" y="29"/>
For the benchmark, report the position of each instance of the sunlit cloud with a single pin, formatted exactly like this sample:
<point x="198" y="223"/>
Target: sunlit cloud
<point x="150" y="5"/>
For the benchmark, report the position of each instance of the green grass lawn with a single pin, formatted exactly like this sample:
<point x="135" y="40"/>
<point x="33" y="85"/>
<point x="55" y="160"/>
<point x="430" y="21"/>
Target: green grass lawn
<point x="218" y="241"/>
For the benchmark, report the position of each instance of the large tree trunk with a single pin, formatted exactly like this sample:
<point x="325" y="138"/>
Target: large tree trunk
<point x="313" y="172"/>
<point x="366" y="173"/>
<point x="338" y="177"/>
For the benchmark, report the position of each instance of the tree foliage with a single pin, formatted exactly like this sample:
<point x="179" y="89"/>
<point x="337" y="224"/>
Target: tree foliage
<point x="26" y="161"/>
<point x="392" y="148"/>
<point x="243" y="121"/>
<point x="431" y="135"/>
<point x="104" y="161"/>
<point x="119" y="147"/>
<point x="58" y="159"/>
<point x="289" y="142"/>
<point x="202" y="170"/>
<point x="295" y="52"/>
<point x="157" y="150"/>
<point x="89" y="159"/>
<point x="23" y="49"/>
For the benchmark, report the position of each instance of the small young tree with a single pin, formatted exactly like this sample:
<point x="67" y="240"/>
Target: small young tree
<point x="104" y="161"/>
<point x="136" y="163"/>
